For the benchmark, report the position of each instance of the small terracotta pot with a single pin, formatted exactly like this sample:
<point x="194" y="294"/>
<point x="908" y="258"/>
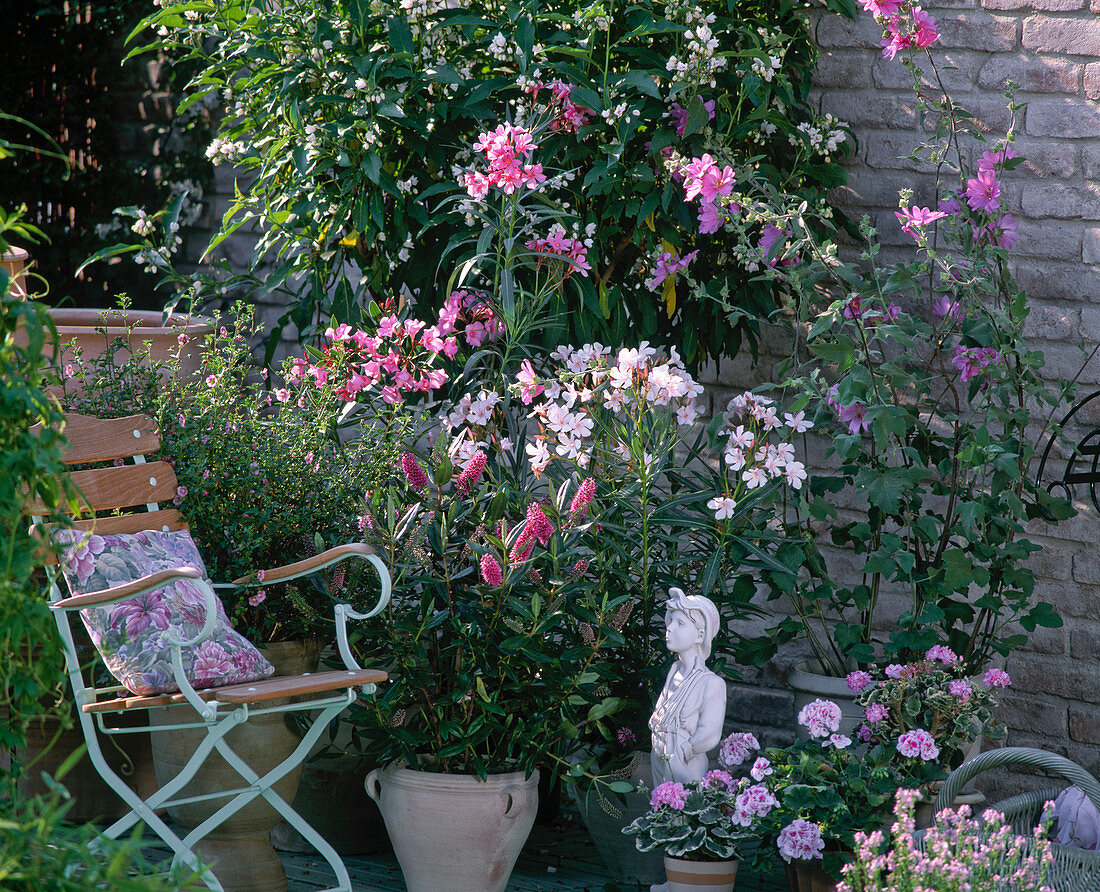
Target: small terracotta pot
<point x="16" y="262"/>
<point x="700" y="876"/>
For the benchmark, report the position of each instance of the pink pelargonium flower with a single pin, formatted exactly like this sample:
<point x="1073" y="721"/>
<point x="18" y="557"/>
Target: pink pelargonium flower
<point x="983" y="191"/>
<point x="875" y="712"/>
<point x="736" y="748"/>
<point x="858" y="680"/>
<point x="413" y="472"/>
<point x="761" y="768"/>
<point x="800" y="840"/>
<point x="821" y="718"/>
<point x="754" y="802"/>
<point x="942" y="654"/>
<point x="490" y="571"/>
<point x="961" y="689"/>
<point x="918" y="742"/>
<point x="718" y="778"/>
<point x="996" y="678"/>
<point x="671" y="794"/>
<point x="914" y="220"/>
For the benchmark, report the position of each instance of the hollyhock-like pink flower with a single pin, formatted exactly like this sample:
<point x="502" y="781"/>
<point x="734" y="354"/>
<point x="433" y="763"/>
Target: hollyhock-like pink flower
<point x="668" y="265"/>
<point x="582" y="498"/>
<point x="855" y="416"/>
<point x="413" y="472"/>
<point x="858" y="680"/>
<point x="945" y="307"/>
<point x="800" y="840"/>
<point x="680" y="115"/>
<point x="925" y="33"/>
<point x="918" y="742"/>
<point x="671" y="794"/>
<point x="994" y="158"/>
<point x="881" y="9"/>
<point x="736" y="748"/>
<point x="971" y="361"/>
<point x="768" y="238"/>
<point x="257" y="599"/>
<point x="914" y="219"/>
<point x="896" y="38"/>
<point x="821" y="718"/>
<point x="490" y="571"/>
<point x="471" y="474"/>
<point x="996" y="678"/>
<point x="982" y="191"/>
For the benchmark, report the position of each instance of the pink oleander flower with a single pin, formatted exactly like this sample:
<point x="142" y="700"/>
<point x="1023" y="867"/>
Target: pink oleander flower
<point x="414" y="474"/>
<point x="914" y="220"/>
<point x="800" y="840"/>
<point x="942" y="653"/>
<point x="578" y="508"/>
<point x="821" y="718"/>
<point x="719" y="778"/>
<point x="960" y="689"/>
<point x="490" y="571"/>
<point x="982" y="191"/>
<point x="996" y="678"/>
<point x="755" y="802"/>
<point x="858" y="680"/>
<point x="471" y="474"/>
<point x="875" y="712"/>
<point x="531" y="387"/>
<point x="671" y="794"/>
<point x="736" y="748"/>
<point x="918" y="742"/>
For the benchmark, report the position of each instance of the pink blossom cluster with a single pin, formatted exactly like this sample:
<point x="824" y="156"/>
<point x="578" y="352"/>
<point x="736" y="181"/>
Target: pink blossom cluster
<point x="414" y="473"/>
<point x="585" y="382"/>
<point x="736" y="748"/>
<point x="671" y="794"/>
<point x="996" y="678"/>
<point x="568" y="115"/>
<point x="491" y="573"/>
<point x="538" y="528"/>
<point x="875" y="712"/>
<point x="906" y="26"/>
<point x="572" y="251"/>
<point x="582" y="498"/>
<point x="706" y="180"/>
<point x="820" y="717"/>
<point x="507" y="150"/>
<point x="858" y="680"/>
<point x="913" y="220"/>
<point x="800" y="840"/>
<point x="761" y="768"/>
<point x="720" y="779"/>
<point x="961" y="689"/>
<point x="918" y="742"/>
<point x="666" y="265"/>
<point x="752" y="461"/>
<point x="754" y="802"/>
<point x="397" y="358"/>
<point x="972" y="361"/>
<point x="941" y="653"/>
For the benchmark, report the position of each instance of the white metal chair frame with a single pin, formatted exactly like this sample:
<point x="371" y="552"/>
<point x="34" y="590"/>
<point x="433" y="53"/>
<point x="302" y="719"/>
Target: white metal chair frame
<point x="218" y="710"/>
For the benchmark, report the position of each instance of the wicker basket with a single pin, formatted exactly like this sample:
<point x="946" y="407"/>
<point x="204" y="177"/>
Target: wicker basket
<point x="1074" y="870"/>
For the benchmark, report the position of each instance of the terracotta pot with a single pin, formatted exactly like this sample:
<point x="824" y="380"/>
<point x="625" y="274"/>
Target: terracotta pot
<point x="700" y="876"/>
<point x="239" y="850"/>
<point x="809" y="684"/>
<point x="807" y="876"/>
<point x="455" y="832"/>
<point x="78" y="327"/>
<point x="16" y="262"/>
<point x="605" y="825"/>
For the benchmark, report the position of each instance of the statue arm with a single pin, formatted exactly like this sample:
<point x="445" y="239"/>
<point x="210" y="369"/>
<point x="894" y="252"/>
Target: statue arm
<point x="712" y="715"/>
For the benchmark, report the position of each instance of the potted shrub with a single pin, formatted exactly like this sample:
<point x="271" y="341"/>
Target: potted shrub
<point x="699" y="827"/>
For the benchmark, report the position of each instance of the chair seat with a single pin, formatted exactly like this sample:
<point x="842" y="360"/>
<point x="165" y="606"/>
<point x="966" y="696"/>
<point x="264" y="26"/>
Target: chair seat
<point x="252" y="692"/>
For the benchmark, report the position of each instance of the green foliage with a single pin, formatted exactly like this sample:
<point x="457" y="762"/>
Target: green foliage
<point x="702" y="829"/>
<point x="354" y="121"/>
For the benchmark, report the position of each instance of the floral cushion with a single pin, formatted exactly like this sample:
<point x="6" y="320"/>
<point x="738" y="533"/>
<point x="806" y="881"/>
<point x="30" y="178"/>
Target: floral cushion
<point x="130" y="634"/>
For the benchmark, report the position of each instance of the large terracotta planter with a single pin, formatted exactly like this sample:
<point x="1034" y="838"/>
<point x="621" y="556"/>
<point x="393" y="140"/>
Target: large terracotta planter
<point x="239" y="850"/>
<point x="619" y="851"/>
<point x="809" y="684"/>
<point x="700" y="876"/>
<point x="455" y="832"/>
<point x="78" y="328"/>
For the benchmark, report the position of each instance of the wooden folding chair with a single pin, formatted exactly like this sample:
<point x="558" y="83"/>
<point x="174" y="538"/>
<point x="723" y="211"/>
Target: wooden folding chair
<point x="217" y="710"/>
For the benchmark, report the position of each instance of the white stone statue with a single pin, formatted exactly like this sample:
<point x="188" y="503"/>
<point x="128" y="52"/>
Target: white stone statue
<point x="687" y="721"/>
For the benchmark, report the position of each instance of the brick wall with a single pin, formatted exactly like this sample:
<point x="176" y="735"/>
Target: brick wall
<point x="1051" y="48"/>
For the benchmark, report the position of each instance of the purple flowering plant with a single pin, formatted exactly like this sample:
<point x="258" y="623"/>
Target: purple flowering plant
<point x="929" y="711"/>
<point x="920" y="369"/>
<point x="704" y="820"/>
<point x="817" y="793"/>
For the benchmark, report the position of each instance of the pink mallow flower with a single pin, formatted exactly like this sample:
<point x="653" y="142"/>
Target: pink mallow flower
<point x="855" y="416"/>
<point x="800" y="840"/>
<point x="982" y="191"/>
<point x="913" y="220"/>
<point x="671" y="793"/>
<point x="918" y="742"/>
<point x="490" y="571"/>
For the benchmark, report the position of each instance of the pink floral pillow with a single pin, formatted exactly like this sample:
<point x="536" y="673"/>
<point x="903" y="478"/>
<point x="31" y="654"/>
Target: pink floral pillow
<point x="130" y="635"/>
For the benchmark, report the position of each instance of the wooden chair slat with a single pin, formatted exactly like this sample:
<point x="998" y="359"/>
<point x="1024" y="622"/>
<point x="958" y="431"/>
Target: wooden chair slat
<point x="291" y="685"/>
<point x="164" y="520"/>
<point x="252" y="692"/>
<point x="108" y="488"/>
<point x="99" y="439"/>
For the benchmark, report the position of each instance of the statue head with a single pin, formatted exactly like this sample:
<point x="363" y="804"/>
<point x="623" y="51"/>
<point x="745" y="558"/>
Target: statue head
<point x="700" y="611"/>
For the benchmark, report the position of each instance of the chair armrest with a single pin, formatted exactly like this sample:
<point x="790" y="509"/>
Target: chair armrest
<point x="126" y="590"/>
<point x="318" y="562"/>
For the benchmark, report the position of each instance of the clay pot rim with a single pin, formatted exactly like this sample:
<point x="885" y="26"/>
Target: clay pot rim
<point x="73" y="320"/>
<point x="401" y="770"/>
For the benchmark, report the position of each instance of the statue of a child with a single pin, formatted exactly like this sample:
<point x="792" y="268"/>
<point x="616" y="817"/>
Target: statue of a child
<point x="687" y="721"/>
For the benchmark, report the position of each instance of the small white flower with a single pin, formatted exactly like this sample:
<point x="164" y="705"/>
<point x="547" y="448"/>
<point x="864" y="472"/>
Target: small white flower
<point x="722" y="506"/>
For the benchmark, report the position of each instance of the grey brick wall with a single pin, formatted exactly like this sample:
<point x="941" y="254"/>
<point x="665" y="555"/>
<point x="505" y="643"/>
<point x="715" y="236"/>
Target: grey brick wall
<point x="1051" y="49"/>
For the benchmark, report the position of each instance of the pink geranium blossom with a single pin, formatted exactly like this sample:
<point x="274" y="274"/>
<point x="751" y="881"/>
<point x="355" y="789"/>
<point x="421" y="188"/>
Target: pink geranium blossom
<point x="800" y="840"/>
<point x="821" y="718"/>
<point x="996" y="678"/>
<point x="918" y="742"/>
<point x="858" y="680"/>
<point x="736" y="748"/>
<point x="671" y="794"/>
